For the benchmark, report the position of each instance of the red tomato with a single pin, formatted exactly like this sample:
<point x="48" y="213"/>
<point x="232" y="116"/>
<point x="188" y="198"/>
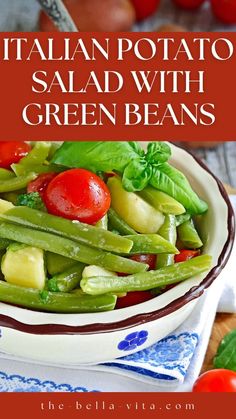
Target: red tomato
<point x="148" y="259"/>
<point x="144" y="9"/>
<point x="12" y="151"/>
<point x="78" y="194"/>
<point x="133" y="298"/>
<point x="40" y="184"/>
<point x="189" y="4"/>
<point x="216" y="381"/>
<point x="224" y="10"/>
<point x="186" y="255"/>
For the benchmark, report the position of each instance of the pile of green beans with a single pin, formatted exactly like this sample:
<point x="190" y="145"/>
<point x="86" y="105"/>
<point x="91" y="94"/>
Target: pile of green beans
<point x="70" y="246"/>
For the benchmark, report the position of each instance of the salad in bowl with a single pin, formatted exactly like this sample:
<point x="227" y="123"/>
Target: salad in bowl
<point x="88" y="228"/>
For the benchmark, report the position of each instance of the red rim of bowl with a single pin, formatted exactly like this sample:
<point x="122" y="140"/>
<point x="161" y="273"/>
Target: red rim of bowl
<point x="138" y="319"/>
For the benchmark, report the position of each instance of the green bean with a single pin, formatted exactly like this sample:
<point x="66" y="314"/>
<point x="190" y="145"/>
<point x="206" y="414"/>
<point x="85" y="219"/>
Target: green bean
<point x="161" y="201"/>
<point x="12" y="196"/>
<point x="57" y="264"/>
<point x="148" y="280"/>
<point x="66" y="281"/>
<point x="54" y="147"/>
<point x="117" y="223"/>
<point x="168" y="232"/>
<point x="151" y="243"/>
<point x="6" y="174"/>
<point x="55" y="302"/>
<point x="16" y="183"/>
<point x="82" y="233"/>
<point x="70" y="249"/>
<point x="35" y="158"/>
<point x="21" y="170"/>
<point x="103" y="223"/>
<point x="180" y="219"/>
<point x="4" y="243"/>
<point x="2" y="253"/>
<point x="189" y="236"/>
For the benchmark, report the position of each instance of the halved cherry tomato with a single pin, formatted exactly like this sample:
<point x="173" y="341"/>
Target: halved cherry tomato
<point x="224" y="10"/>
<point x="186" y="255"/>
<point x="133" y="298"/>
<point x="144" y="9"/>
<point x="41" y="183"/>
<point x="189" y="4"/>
<point x="148" y="259"/>
<point x="78" y="194"/>
<point x="219" y="380"/>
<point x="12" y="151"/>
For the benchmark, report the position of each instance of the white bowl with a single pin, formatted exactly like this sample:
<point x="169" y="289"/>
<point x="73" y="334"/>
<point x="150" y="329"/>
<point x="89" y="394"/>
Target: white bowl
<point x="92" y="338"/>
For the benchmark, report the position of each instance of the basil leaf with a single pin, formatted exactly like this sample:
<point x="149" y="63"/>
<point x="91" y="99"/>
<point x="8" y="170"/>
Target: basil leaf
<point x="96" y="156"/>
<point x="137" y="148"/>
<point x="158" y="153"/>
<point x="171" y="181"/>
<point x="225" y="341"/>
<point x="136" y="175"/>
<point x="226" y="354"/>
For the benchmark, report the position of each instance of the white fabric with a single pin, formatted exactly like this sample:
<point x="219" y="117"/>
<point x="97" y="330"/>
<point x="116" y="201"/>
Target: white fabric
<point x="184" y="352"/>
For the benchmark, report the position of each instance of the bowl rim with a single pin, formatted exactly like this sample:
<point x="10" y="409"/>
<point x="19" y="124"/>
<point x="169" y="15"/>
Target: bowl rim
<point x="141" y="318"/>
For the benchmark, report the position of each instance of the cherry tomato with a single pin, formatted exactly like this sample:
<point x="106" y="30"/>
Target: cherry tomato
<point x="148" y="259"/>
<point x="189" y="4"/>
<point x="224" y="10"/>
<point x="145" y="8"/>
<point x="12" y="151"/>
<point x="133" y="298"/>
<point x="216" y="381"/>
<point x="78" y="194"/>
<point x="186" y="255"/>
<point x="40" y="184"/>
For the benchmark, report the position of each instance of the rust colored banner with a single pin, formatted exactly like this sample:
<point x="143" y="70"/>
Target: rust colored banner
<point x="131" y="405"/>
<point x="109" y="86"/>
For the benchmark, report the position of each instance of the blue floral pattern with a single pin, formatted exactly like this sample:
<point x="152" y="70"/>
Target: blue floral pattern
<point x="171" y="353"/>
<point x="19" y="384"/>
<point x="133" y="340"/>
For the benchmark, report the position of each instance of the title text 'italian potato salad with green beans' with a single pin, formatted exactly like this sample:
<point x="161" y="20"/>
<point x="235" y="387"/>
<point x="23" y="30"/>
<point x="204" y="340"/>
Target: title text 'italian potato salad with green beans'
<point x="94" y="226"/>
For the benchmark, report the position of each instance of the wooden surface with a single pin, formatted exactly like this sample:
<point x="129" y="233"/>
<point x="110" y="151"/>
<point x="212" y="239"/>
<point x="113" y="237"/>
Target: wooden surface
<point x="221" y="160"/>
<point x="224" y="323"/>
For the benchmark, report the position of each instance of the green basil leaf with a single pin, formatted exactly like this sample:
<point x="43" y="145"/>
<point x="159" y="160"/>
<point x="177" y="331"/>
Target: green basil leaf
<point x="136" y="175"/>
<point x="225" y="341"/>
<point x="96" y="156"/>
<point x="226" y="354"/>
<point x="158" y="152"/>
<point x="171" y="181"/>
<point x="137" y="148"/>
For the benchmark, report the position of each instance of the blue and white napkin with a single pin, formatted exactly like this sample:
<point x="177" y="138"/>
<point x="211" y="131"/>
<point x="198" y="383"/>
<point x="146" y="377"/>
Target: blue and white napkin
<point x="172" y="364"/>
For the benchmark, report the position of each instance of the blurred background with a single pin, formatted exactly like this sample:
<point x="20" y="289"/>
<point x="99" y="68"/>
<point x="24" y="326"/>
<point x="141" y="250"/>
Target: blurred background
<point x="140" y="15"/>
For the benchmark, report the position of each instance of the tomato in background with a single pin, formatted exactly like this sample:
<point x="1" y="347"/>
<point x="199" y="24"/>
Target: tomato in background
<point x="189" y="4"/>
<point x="224" y="10"/>
<point x="78" y="194"/>
<point x="186" y="255"/>
<point x="219" y="380"/>
<point x="145" y="8"/>
<point x="40" y="184"/>
<point x="12" y="152"/>
<point x="148" y="259"/>
<point x="133" y="298"/>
